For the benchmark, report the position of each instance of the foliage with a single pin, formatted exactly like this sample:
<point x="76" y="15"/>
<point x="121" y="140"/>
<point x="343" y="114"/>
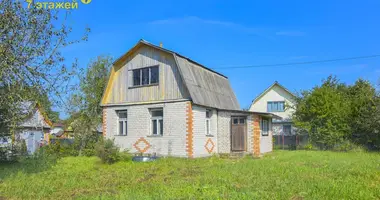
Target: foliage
<point x="365" y="114"/>
<point x="279" y="175"/>
<point x="334" y="113"/>
<point x="31" y="40"/>
<point x="107" y="151"/>
<point x="348" y="146"/>
<point x="86" y="113"/>
<point x="324" y="113"/>
<point x="308" y="146"/>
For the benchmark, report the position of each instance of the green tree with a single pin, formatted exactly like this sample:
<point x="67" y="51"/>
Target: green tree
<point x="365" y="114"/>
<point x="324" y="113"/>
<point x="86" y="113"/>
<point x="31" y="60"/>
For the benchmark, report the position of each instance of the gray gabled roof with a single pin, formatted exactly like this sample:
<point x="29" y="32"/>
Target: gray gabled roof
<point x="206" y="86"/>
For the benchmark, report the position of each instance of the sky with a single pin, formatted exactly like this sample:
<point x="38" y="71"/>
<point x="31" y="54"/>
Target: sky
<point x="222" y="34"/>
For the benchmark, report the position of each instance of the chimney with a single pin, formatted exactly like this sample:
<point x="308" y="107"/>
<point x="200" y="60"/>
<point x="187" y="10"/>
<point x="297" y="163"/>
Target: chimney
<point x="161" y="44"/>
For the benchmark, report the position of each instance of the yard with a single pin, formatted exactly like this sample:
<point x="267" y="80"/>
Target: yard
<point x="279" y="175"/>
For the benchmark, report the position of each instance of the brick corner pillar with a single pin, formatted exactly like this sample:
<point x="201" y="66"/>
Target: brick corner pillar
<point x="104" y="122"/>
<point x="189" y="130"/>
<point x="256" y="135"/>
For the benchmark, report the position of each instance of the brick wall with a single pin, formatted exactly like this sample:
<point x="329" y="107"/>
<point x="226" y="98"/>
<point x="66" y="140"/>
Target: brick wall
<point x="204" y="145"/>
<point x="173" y="141"/>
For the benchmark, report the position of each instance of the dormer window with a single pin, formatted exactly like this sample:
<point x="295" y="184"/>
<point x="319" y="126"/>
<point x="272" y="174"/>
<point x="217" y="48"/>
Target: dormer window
<point x="146" y="76"/>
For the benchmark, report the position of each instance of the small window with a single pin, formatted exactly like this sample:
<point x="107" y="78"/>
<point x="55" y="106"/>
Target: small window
<point x="145" y="76"/>
<point x="123" y="122"/>
<point x="264" y="127"/>
<point x="208" y="122"/>
<point x="236" y="121"/>
<point x="241" y="121"/>
<point x="157" y="121"/>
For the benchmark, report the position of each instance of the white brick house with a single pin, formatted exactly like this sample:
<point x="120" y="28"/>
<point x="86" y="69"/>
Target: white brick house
<point x="278" y="100"/>
<point x="160" y="102"/>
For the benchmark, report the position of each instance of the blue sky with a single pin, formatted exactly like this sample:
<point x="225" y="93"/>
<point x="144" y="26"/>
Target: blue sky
<point x="222" y="34"/>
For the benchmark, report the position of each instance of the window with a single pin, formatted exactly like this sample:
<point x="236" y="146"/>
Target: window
<point x="208" y="122"/>
<point x="238" y="120"/>
<point x="287" y="129"/>
<point x="275" y="106"/>
<point x="264" y="127"/>
<point x="157" y="121"/>
<point x="145" y="76"/>
<point x="122" y="120"/>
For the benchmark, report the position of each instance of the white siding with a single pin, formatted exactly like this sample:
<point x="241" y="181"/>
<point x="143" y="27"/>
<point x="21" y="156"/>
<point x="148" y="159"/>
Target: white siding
<point x="276" y="93"/>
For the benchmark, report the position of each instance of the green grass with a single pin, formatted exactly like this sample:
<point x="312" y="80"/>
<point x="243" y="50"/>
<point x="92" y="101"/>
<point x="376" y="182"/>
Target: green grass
<point x="279" y="175"/>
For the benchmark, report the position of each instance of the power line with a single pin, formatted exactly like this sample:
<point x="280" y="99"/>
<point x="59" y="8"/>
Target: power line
<point x="299" y="63"/>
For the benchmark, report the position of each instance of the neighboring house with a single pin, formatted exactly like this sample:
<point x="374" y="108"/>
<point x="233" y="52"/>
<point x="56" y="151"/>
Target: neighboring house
<point x="57" y="130"/>
<point x="277" y="100"/>
<point x="35" y="128"/>
<point x="160" y="102"/>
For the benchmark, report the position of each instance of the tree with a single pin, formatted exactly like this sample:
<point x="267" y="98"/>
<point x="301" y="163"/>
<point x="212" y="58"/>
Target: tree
<point x="365" y="114"/>
<point x="86" y="113"/>
<point x="324" y="113"/>
<point x="31" y="60"/>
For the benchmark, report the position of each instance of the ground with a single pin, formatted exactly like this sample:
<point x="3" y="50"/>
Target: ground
<point x="278" y="175"/>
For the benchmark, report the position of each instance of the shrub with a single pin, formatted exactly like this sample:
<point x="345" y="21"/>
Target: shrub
<point x="107" y="151"/>
<point x="348" y="146"/>
<point x="308" y="146"/>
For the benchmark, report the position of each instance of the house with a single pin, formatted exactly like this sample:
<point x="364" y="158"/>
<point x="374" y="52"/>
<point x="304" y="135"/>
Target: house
<point x="278" y="100"/>
<point x="160" y="102"/>
<point x="57" y="130"/>
<point x="35" y="128"/>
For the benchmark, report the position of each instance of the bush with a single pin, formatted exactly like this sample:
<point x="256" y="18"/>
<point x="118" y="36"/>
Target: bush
<point x="308" y="146"/>
<point x="348" y="146"/>
<point x="107" y="151"/>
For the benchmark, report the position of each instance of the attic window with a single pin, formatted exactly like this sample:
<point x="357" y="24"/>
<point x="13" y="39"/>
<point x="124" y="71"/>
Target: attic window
<point x="145" y="76"/>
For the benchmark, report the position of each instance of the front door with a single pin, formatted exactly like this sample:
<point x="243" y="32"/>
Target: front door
<point x="238" y="133"/>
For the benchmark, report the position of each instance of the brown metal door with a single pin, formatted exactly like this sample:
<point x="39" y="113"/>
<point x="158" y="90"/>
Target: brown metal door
<point x="238" y="133"/>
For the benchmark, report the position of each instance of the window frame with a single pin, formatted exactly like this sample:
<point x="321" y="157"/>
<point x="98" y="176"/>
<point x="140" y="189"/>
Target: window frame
<point x="125" y="123"/>
<point x="274" y="106"/>
<point x="140" y="72"/>
<point x="290" y="128"/>
<point x="156" y="120"/>
<point x="263" y="131"/>
<point x="208" y="122"/>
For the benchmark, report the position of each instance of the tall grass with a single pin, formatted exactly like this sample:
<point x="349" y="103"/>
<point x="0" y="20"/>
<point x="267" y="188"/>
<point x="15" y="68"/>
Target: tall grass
<point x="279" y="175"/>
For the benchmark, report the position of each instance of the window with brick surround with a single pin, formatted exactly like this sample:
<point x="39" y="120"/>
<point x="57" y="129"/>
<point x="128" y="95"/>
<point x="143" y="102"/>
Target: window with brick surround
<point x="122" y="122"/>
<point x="208" y="122"/>
<point x="157" y="121"/>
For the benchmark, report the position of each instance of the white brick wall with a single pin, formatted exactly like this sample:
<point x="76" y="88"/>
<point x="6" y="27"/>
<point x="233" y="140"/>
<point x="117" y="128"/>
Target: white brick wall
<point x="199" y="131"/>
<point x="173" y="141"/>
<point x="224" y="131"/>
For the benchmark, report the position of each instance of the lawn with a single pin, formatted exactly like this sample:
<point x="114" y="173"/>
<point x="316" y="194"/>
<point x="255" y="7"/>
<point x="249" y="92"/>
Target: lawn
<point x="279" y="175"/>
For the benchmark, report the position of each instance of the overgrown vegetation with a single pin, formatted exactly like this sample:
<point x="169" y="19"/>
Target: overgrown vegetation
<point x="85" y="110"/>
<point x="336" y="115"/>
<point x="280" y="175"/>
<point x="32" y="67"/>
